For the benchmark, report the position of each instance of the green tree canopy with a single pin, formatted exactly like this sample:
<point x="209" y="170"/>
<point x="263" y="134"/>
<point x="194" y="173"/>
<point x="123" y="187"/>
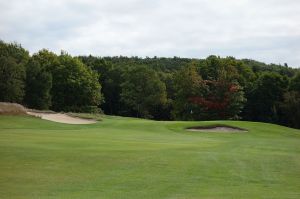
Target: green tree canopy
<point x="12" y="76"/>
<point x="263" y="99"/>
<point x="38" y="85"/>
<point x="74" y="85"/>
<point x="13" y="58"/>
<point x="142" y="91"/>
<point x="295" y="83"/>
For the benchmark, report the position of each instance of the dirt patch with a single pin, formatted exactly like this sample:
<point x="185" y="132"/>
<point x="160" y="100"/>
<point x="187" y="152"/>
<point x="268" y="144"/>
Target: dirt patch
<point x="7" y="108"/>
<point x="61" y="118"/>
<point x="217" y="128"/>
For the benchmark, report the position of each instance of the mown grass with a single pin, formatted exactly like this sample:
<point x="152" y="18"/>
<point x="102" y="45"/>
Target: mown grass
<point x="133" y="158"/>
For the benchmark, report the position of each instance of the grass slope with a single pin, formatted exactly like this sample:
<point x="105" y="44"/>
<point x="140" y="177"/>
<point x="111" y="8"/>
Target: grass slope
<point x="133" y="158"/>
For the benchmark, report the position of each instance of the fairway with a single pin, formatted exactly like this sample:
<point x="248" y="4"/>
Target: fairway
<point x="134" y="158"/>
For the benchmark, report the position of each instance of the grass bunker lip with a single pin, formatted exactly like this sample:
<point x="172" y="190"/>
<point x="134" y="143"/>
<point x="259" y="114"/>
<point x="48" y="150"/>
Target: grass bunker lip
<point x="217" y="128"/>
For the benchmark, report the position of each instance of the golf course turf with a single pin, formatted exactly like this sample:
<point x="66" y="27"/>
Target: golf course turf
<point x="134" y="158"/>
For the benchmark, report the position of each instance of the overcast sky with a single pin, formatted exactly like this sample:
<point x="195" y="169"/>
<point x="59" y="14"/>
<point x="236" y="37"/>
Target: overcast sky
<point x="265" y="30"/>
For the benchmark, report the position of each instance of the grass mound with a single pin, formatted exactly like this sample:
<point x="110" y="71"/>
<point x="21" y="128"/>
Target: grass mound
<point x="7" y="108"/>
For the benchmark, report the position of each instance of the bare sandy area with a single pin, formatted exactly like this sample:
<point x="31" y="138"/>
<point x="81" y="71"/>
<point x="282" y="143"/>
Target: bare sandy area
<point x="224" y="129"/>
<point x="61" y="118"/>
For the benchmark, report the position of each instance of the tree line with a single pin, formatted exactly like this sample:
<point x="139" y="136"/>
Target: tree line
<point x="158" y="88"/>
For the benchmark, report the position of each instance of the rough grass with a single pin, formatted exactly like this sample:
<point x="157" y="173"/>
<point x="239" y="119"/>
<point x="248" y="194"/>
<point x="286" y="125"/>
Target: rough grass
<point x="133" y="158"/>
<point x="7" y="108"/>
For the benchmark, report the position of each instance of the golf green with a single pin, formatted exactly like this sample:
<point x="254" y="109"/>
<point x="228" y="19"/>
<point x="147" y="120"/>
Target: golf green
<point x="134" y="158"/>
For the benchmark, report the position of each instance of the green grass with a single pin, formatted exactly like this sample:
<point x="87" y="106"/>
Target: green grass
<point x="134" y="158"/>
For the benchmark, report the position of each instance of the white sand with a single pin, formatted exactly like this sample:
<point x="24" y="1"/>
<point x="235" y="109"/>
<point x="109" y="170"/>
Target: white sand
<point x="61" y="118"/>
<point x="217" y="129"/>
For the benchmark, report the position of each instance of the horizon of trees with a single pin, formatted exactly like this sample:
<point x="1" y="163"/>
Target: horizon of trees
<point x="161" y="88"/>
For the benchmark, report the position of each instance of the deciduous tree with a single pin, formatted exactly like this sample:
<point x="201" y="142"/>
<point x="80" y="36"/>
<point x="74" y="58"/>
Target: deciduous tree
<point x="142" y="91"/>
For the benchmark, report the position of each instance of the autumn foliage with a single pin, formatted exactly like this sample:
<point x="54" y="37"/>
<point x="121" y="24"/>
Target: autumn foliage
<point x="216" y="101"/>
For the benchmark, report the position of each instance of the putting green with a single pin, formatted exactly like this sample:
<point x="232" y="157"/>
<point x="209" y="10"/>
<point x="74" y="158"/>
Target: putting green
<point x="134" y="158"/>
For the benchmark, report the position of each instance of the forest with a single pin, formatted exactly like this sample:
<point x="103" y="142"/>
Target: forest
<point x="214" y="88"/>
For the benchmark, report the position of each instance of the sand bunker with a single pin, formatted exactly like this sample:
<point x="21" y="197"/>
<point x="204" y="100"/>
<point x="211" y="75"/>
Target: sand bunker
<point x="61" y="118"/>
<point x="216" y="128"/>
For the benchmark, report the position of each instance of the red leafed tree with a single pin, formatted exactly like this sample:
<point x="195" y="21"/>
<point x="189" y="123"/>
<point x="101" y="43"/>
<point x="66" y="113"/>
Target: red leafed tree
<point x="222" y="100"/>
<point x="197" y="99"/>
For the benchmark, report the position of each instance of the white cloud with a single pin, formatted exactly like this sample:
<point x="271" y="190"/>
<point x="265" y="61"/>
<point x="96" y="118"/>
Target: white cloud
<point x="267" y="30"/>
